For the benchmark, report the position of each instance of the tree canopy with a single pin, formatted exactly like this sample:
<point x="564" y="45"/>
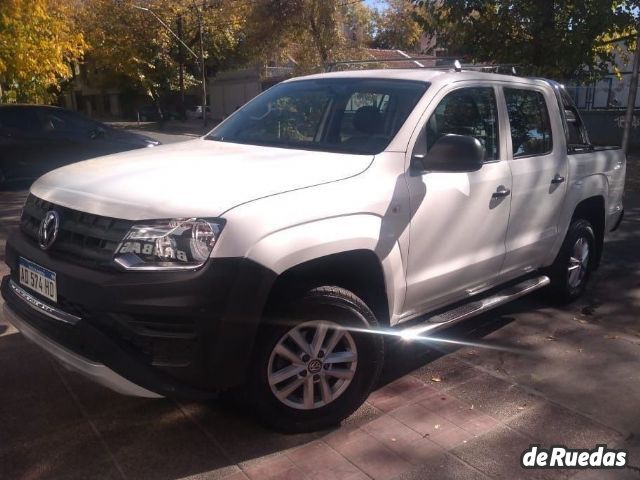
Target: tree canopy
<point x="396" y="27"/>
<point x="555" y="38"/>
<point x="38" y="43"/>
<point x="42" y="40"/>
<point x="130" y="45"/>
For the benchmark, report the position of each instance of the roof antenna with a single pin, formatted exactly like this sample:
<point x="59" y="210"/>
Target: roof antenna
<point x="457" y="66"/>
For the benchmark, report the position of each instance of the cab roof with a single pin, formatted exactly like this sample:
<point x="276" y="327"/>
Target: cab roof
<point x="430" y="75"/>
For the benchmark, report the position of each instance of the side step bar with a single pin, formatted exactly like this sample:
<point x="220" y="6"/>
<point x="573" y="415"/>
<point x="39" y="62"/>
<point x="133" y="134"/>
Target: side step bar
<point x="476" y="307"/>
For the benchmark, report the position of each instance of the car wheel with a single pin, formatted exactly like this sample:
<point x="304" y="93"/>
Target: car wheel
<point x="572" y="267"/>
<point x="315" y="363"/>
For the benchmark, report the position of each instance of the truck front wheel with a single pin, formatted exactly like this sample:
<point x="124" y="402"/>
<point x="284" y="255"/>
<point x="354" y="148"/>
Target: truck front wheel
<point x="316" y="361"/>
<point x="572" y="267"/>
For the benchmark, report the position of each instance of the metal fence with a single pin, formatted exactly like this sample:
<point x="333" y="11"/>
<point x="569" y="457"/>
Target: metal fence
<point x="610" y="92"/>
<point x="602" y="105"/>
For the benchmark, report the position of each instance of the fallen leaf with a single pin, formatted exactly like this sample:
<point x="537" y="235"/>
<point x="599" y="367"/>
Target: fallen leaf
<point x="610" y="337"/>
<point x="582" y="320"/>
<point x="471" y="407"/>
<point x="551" y="337"/>
<point x="436" y="378"/>
<point x="580" y="350"/>
<point x="436" y="426"/>
<point x="393" y="440"/>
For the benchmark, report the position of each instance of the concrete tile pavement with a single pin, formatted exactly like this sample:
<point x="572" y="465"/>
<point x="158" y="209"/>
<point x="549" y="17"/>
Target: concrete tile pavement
<point x="455" y="412"/>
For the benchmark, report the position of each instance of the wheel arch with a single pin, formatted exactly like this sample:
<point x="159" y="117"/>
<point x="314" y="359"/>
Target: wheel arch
<point x="359" y="271"/>
<point x="593" y="210"/>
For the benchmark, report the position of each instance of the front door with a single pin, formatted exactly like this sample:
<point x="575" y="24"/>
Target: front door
<point x="459" y="224"/>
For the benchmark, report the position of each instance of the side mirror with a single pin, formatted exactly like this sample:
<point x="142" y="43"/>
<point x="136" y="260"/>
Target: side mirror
<point x="453" y="153"/>
<point x="97" y="132"/>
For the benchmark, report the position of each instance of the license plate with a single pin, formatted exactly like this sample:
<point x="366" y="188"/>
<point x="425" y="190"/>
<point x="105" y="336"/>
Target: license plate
<point x="38" y="279"/>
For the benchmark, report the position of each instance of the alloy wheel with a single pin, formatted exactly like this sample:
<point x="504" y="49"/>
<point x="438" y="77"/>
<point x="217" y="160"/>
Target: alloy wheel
<point x="578" y="262"/>
<point x="312" y="365"/>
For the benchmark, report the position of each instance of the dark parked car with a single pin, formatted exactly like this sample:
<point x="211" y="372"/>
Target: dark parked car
<point x="35" y="139"/>
<point x="150" y="113"/>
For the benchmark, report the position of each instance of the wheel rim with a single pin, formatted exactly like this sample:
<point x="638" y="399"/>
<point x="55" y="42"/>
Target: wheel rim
<point x="312" y="365"/>
<point x="578" y="263"/>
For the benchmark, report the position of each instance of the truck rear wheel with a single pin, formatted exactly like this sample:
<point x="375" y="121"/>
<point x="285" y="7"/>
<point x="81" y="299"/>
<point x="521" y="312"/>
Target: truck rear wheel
<point x="316" y="362"/>
<point x="572" y="267"/>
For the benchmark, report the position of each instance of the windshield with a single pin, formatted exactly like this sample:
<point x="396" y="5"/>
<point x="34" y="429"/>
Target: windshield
<point x="358" y="116"/>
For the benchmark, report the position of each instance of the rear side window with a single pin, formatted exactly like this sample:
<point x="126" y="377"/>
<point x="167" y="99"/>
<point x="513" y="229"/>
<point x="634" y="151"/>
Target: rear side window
<point x="529" y="121"/>
<point x="576" y="131"/>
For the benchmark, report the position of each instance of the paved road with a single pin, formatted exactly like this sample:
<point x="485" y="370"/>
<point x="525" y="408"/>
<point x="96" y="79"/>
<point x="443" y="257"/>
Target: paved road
<point x="171" y="137"/>
<point x="465" y="411"/>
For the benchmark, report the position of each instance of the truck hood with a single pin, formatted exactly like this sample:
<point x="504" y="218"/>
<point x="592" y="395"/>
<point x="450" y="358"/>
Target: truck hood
<point x="197" y="178"/>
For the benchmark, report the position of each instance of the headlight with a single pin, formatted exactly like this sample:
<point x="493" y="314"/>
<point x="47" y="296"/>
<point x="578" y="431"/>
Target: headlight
<point x="179" y="244"/>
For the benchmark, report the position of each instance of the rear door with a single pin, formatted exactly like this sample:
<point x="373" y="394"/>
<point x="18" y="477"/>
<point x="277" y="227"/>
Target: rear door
<point x="539" y="168"/>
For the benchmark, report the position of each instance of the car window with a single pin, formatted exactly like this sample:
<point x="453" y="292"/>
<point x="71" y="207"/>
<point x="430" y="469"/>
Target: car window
<point x="576" y="130"/>
<point x="467" y="111"/>
<point x="529" y="121"/>
<point x="19" y="120"/>
<point x="62" y="121"/>
<point x="352" y="115"/>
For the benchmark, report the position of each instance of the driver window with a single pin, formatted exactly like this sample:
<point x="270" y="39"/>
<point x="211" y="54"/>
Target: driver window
<point x="467" y="111"/>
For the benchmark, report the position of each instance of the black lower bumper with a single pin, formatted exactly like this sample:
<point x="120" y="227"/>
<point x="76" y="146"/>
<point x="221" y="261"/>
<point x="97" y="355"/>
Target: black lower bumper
<point x="179" y="334"/>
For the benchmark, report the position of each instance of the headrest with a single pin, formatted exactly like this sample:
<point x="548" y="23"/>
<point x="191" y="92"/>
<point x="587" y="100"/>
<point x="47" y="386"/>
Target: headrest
<point x="368" y="120"/>
<point x="461" y="110"/>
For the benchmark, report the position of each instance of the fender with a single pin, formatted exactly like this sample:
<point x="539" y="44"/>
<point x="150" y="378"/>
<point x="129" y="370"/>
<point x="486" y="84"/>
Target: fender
<point x="287" y="248"/>
<point x="586" y="187"/>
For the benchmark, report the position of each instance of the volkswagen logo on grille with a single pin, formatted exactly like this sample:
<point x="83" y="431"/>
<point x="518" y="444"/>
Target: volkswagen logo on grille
<point x="48" y="230"/>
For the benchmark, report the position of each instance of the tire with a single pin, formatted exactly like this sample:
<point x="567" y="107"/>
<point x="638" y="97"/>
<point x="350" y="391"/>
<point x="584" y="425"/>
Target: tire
<point x="572" y="267"/>
<point x="340" y="378"/>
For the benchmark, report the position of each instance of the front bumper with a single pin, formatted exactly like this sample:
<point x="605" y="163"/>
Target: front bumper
<point x="97" y="372"/>
<point x="176" y="334"/>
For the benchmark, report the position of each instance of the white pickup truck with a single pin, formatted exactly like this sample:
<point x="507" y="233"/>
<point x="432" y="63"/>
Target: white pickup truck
<point x="274" y="255"/>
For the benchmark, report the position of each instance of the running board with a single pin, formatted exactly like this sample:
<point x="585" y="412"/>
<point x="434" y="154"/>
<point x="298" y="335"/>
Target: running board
<point x="476" y="307"/>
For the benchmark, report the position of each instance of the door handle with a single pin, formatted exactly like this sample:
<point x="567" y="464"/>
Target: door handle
<point x="557" y="179"/>
<point x="501" y="192"/>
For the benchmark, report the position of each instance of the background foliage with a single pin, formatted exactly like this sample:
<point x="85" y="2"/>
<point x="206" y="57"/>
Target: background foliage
<point x="39" y="40"/>
<point x="43" y="41"/>
<point x="555" y="38"/>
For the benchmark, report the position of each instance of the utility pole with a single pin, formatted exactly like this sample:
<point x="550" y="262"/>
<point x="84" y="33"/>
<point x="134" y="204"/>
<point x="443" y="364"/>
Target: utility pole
<point x="181" y="73"/>
<point x="633" y="90"/>
<point x="203" y="69"/>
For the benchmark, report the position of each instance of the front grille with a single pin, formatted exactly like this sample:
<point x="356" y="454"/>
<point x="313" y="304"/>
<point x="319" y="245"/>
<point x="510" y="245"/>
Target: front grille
<point x="82" y="238"/>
